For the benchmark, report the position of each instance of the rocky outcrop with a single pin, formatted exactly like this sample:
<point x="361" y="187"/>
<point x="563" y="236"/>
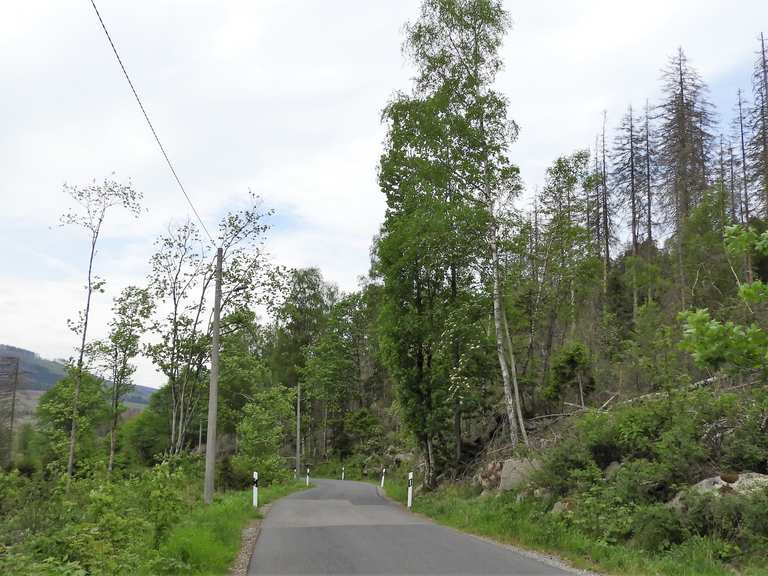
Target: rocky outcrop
<point x="488" y="477"/>
<point x="516" y="472"/>
<point x="743" y="484"/>
<point x="563" y="506"/>
<point x="611" y="470"/>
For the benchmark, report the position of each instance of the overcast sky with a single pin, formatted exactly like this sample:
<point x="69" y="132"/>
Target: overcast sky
<point x="284" y="98"/>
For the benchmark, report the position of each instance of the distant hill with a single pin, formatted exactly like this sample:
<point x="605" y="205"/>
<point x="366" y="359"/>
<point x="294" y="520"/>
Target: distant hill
<point x="39" y="374"/>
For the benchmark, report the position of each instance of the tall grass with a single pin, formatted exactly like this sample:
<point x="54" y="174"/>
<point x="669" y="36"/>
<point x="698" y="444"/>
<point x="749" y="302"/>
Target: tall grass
<point x="208" y="539"/>
<point x="529" y="525"/>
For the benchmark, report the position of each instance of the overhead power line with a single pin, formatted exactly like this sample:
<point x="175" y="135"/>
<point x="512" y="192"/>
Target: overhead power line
<point x="149" y="123"/>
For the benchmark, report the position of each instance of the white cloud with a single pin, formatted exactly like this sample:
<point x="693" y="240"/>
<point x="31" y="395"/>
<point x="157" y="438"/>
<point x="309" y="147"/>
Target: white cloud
<point x="283" y="98"/>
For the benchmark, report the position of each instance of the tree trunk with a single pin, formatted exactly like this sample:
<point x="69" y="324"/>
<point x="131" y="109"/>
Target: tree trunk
<point x="498" y="323"/>
<point x="606" y="231"/>
<point x="80" y="359"/>
<point x="455" y="357"/>
<point x="513" y="372"/>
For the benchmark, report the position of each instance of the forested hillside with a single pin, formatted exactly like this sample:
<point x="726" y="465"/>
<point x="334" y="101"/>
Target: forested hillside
<point x="37" y="373"/>
<point x="601" y="338"/>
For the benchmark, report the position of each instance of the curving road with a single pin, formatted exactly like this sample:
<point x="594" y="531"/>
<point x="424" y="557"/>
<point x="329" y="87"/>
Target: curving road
<point x="348" y="528"/>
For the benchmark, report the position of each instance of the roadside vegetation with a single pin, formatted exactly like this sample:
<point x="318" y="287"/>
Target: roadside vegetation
<point x="610" y="328"/>
<point x="639" y="516"/>
<point x="150" y="523"/>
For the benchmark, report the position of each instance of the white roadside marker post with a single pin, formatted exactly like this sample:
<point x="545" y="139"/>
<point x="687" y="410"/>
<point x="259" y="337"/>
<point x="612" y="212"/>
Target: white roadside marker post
<point x="410" y="490"/>
<point x="383" y="472"/>
<point x="342" y="472"/>
<point x="307" y="475"/>
<point x="295" y="474"/>
<point x="255" y="489"/>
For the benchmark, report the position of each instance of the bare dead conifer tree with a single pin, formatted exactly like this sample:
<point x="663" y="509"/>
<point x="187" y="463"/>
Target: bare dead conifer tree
<point x="758" y="141"/>
<point x="626" y="179"/>
<point x="685" y="138"/>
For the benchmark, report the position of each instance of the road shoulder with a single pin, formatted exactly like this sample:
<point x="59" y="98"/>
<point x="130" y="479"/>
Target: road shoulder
<point x="248" y="540"/>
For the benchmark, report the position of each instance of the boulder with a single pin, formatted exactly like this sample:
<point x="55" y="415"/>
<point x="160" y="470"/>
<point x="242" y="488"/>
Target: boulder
<point x="515" y="472"/>
<point x="542" y="494"/>
<point x="488" y="476"/>
<point x="611" y="470"/>
<point x="743" y="484"/>
<point x="562" y="506"/>
<point x="749" y="483"/>
<point x="402" y="458"/>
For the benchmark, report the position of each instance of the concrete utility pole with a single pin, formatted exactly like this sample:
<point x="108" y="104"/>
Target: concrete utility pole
<point x="298" y="426"/>
<point x="213" y="392"/>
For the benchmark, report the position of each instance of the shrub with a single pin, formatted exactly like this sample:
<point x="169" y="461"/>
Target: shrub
<point x="656" y="528"/>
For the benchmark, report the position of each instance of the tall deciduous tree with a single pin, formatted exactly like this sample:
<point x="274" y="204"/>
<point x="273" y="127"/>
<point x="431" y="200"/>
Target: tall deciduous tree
<point x="116" y="353"/>
<point x="182" y="275"/>
<point x="93" y="203"/>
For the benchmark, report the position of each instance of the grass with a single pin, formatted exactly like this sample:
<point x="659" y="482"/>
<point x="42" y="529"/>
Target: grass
<point x="208" y="540"/>
<point x="527" y="525"/>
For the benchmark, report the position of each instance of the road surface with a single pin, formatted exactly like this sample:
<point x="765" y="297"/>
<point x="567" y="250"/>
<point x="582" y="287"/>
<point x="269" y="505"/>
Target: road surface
<point x="348" y="528"/>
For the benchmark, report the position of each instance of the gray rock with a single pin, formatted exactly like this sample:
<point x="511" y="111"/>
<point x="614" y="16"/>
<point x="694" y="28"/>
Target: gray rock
<point x="487" y="477"/>
<point x="611" y="470"/>
<point x="516" y="472"/>
<point x="747" y="483"/>
<point x="542" y="493"/>
<point x="750" y="482"/>
<point x="562" y="506"/>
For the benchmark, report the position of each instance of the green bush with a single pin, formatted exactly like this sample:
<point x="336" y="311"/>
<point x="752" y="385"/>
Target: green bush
<point x="656" y="528"/>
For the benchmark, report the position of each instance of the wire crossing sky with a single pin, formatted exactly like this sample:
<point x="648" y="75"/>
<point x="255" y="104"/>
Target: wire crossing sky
<point x="285" y="99"/>
<point x="149" y="123"/>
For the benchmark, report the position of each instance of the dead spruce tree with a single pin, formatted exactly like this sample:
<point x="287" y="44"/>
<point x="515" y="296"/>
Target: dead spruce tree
<point x="685" y="122"/>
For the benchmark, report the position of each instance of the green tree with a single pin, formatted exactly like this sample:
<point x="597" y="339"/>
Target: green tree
<point x="54" y="417"/>
<point x="116" y="353"/>
<point x="93" y="203"/>
<point x="267" y="419"/>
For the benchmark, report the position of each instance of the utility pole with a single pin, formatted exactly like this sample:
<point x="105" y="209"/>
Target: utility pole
<point x="298" y="426"/>
<point x="213" y="392"/>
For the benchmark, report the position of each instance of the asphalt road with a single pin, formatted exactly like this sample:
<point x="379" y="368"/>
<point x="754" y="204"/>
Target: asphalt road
<point x="348" y="528"/>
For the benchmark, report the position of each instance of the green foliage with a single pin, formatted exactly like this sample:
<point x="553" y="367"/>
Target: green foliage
<point x="54" y="418"/>
<point x="656" y="528"/>
<point x="717" y="344"/>
<point x="365" y="432"/>
<point x="570" y="366"/>
<point x="149" y="523"/>
<point x="266" y="419"/>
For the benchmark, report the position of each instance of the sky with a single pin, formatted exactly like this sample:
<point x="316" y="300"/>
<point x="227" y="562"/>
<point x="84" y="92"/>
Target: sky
<point x="284" y="99"/>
